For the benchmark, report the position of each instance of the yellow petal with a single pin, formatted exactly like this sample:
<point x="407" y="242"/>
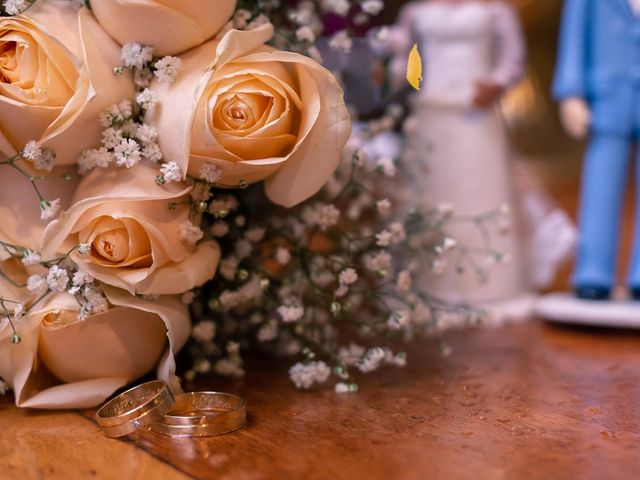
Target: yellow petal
<point x="414" y="68"/>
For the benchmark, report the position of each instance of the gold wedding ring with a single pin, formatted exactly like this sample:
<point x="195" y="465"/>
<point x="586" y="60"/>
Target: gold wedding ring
<point x="135" y="409"/>
<point x="202" y="414"/>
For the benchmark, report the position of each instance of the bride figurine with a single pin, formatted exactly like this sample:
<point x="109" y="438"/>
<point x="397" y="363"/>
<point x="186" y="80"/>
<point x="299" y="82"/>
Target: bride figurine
<point x="473" y="52"/>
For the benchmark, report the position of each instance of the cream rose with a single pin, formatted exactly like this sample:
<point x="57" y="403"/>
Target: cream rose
<point x="255" y="114"/>
<point x="55" y="78"/>
<point x="63" y="362"/>
<point x="169" y="26"/>
<point x="135" y="237"/>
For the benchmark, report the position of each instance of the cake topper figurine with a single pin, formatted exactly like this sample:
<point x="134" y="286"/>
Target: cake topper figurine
<point x="457" y="150"/>
<point x="596" y="83"/>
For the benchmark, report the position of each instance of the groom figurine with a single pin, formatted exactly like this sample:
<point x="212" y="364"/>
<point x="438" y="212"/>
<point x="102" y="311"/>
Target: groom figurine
<point x="598" y="84"/>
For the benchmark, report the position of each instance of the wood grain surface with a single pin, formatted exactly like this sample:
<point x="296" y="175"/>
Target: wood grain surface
<point x="529" y="401"/>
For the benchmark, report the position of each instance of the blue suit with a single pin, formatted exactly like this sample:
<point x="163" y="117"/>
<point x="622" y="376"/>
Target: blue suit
<point x="599" y="60"/>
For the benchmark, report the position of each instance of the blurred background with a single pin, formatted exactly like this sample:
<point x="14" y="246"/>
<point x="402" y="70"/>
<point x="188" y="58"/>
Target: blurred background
<point x="537" y="136"/>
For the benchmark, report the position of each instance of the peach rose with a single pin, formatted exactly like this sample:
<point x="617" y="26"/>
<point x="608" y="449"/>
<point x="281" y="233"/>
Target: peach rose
<point x="55" y="78"/>
<point x="169" y="26"/>
<point x="255" y="114"/>
<point x="63" y="362"/>
<point x="138" y="242"/>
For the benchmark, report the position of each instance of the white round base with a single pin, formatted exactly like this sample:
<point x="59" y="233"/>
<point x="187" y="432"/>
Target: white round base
<point x="508" y="310"/>
<point x="566" y="308"/>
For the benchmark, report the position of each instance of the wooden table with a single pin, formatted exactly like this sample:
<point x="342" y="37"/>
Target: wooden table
<point x="529" y="401"/>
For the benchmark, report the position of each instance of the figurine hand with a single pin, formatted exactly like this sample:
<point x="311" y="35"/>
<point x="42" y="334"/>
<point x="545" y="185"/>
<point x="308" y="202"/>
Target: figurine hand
<point x="486" y="94"/>
<point x="575" y="116"/>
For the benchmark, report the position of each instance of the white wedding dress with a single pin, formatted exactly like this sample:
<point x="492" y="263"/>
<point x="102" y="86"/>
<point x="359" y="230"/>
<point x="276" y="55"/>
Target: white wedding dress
<point x="459" y="154"/>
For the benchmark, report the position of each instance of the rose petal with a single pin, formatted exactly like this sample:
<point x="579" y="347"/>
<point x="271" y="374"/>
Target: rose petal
<point x="98" y="356"/>
<point x="192" y="272"/>
<point x="170" y="26"/>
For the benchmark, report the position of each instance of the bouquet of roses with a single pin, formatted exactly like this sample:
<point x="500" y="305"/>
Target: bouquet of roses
<point x="152" y="156"/>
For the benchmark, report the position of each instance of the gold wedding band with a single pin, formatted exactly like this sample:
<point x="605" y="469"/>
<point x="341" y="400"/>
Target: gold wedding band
<point x="202" y="414"/>
<point x="134" y="409"/>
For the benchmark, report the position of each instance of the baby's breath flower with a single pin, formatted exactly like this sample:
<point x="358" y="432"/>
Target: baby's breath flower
<point x="397" y="360"/>
<point x="15" y="7"/>
<point x="383" y="239"/>
<point x="328" y="216"/>
<point x="379" y="261"/>
<point x="37" y="284"/>
<point x="171" y="172"/>
<point x="92" y="158"/>
<point x="84" y="249"/>
<point x="146" y="133"/>
<point x="240" y="19"/>
<point x="371" y="360"/>
<point x="341" y="41"/>
<point x="135" y="55"/>
<point x="344" y="387"/>
<point x="190" y="233"/>
<point x="126" y="109"/>
<point x="268" y="331"/>
<point x="31" y="151"/>
<point x="18" y="312"/>
<point x="383" y="206"/>
<point x="403" y="282"/>
<point x="305" y="376"/>
<point x="204" y="331"/>
<point x="223" y="204"/>
<point x="398" y="320"/>
<point x="166" y="69"/>
<point x="127" y="153"/>
<point x="49" y="208"/>
<point x="339" y="7"/>
<point x="387" y="166"/>
<point x="372" y="7"/>
<point x="147" y="99"/>
<point x="46" y="160"/>
<point x="111" y="116"/>
<point x="57" y="279"/>
<point x="152" y="152"/>
<point x="29" y="257"/>
<point x="290" y="314"/>
<point x="305" y="34"/>
<point x="81" y="278"/>
<point x="188" y="297"/>
<point x="449" y="244"/>
<point x="243" y="248"/>
<point x="95" y="301"/>
<point x="398" y="233"/>
<point x="255" y="234"/>
<point x="219" y="229"/>
<point x="283" y="256"/>
<point x="351" y="354"/>
<point x="341" y="291"/>
<point x="229" y="368"/>
<point x="112" y="137"/>
<point x="258" y="22"/>
<point x="210" y="173"/>
<point x="348" y="276"/>
<point x="142" y="77"/>
<point x="229" y="267"/>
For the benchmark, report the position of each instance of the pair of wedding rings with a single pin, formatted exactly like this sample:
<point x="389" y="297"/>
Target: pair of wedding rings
<point x="152" y="406"/>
